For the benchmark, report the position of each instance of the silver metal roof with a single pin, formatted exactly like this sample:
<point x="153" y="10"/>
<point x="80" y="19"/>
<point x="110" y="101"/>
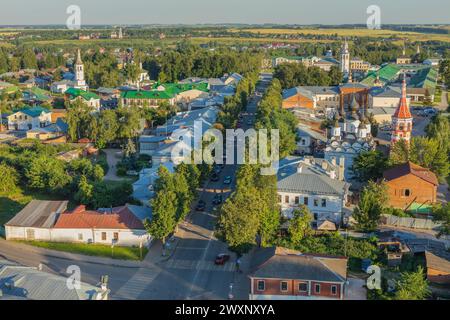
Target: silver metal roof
<point x="38" y="214"/>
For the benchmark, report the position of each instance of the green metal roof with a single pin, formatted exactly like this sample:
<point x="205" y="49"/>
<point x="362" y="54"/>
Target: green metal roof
<point x="154" y="94"/>
<point x="81" y="93"/>
<point x="420" y="208"/>
<point x="40" y="94"/>
<point x="33" y="112"/>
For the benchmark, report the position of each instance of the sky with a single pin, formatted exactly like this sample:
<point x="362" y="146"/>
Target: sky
<point x="31" y="12"/>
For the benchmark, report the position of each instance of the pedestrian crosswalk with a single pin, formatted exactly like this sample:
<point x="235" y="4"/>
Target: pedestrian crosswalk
<point x="138" y="283"/>
<point x="199" y="265"/>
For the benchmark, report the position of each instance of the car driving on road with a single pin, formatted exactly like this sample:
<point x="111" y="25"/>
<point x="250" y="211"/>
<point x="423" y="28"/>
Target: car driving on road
<point x="227" y="180"/>
<point x="221" y="259"/>
<point x="217" y="199"/>
<point x="201" y="206"/>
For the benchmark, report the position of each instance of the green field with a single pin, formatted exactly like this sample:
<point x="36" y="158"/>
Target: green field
<point x="122" y="253"/>
<point x="411" y="36"/>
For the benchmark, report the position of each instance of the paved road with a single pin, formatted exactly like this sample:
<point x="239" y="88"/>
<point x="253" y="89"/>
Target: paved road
<point x="112" y="159"/>
<point x="191" y="273"/>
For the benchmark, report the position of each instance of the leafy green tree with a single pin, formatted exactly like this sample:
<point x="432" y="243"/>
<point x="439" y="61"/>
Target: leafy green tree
<point x="441" y="213"/>
<point x="9" y="178"/>
<point x="85" y="191"/>
<point x="28" y="59"/>
<point x="184" y="196"/>
<point x="335" y="75"/>
<point x="300" y="224"/>
<point x="132" y="72"/>
<point x="79" y="119"/>
<point x="129" y="122"/>
<point x="47" y="174"/>
<point x="239" y="220"/>
<point x="399" y="153"/>
<point x="369" y="165"/>
<point x="373" y="200"/>
<point x="129" y="149"/>
<point x="108" y="128"/>
<point x="269" y="214"/>
<point x="164" y="220"/>
<point x="427" y="152"/>
<point x="412" y="286"/>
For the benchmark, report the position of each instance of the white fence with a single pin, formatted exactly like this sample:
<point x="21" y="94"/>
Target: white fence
<point x="413" y="223"/>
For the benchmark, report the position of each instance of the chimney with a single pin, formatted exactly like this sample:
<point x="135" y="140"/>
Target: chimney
<point x="324" y="165"/>
<point x="81" y="208"/>
<point x="299" y="168"/>
<point x="104" y="291"/>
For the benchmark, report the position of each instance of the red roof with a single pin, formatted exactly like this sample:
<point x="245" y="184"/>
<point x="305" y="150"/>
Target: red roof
<point x="402" y="111"/>
<point x="80" y="218"/>
<point x="411" y="168"/>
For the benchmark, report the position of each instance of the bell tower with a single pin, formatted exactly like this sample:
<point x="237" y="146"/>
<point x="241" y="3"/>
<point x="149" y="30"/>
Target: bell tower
<point x="402" y="120"/>
<point x="345" y="59"/>
<point x="79" y="73"/>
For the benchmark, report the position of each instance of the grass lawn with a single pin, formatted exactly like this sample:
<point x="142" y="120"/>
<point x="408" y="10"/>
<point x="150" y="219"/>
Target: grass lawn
<point x="99" y="250"/>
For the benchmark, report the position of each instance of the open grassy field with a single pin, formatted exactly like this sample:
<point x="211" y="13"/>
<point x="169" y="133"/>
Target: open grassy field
<point x="229" y="40"/>
<point x="412" y="36"/>
<point x="122" y="253"/>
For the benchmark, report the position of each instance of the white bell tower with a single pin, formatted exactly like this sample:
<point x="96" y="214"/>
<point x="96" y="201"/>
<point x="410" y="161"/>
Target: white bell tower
<point x="345" y="59"/>
<point x="80" y="83"/>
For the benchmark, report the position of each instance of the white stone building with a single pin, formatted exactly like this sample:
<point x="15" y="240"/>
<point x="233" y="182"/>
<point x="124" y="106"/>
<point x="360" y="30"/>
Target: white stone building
<point x="30" y="118"/>
<point x="315" y="183"/>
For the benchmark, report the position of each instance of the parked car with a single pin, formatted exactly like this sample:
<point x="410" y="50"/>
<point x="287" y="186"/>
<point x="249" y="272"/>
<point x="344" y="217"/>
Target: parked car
<point x="221" y="259"/>
<point x="227" y="180"/>
<point x="217" y="199"/>
<point x="201" y="206"/>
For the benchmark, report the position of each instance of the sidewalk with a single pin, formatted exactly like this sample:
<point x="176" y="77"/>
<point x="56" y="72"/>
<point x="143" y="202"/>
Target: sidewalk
<point x="6" y="246"/>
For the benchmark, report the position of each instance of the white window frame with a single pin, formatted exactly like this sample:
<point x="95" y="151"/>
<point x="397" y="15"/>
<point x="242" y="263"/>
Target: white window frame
<point x="264" y="285"/>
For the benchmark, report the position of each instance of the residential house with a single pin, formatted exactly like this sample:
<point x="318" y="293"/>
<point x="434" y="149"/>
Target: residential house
<point x="310" y="141"/>
<point x="438" y="269"/>
<point x="50" y="221"/>
<point x="29" y="118"/>
<point x="147" y="98"/>
<point x="89" y="98"/>
<point x="432" y="62"/>
<point x="410" y="185"/>
<point x="19" y="282"/>
<point x="282" y="274"/>
<point x="311" y="97"/>
<point x="52" y="131"/>
<point x="119" y="226"/>
<point x="143" y="188"/>
<point x="61" y="86"/>
<point x="34" y="222"/>
<point x="36" y="96"/>
<point x="315" y="183"/>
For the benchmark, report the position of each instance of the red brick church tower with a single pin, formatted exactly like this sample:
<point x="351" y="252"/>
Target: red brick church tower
<point x="402" y="120"/>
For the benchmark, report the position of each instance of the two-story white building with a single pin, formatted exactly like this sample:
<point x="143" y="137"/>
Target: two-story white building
<point x="29" y="118"/>
<point x="315" y="183"/>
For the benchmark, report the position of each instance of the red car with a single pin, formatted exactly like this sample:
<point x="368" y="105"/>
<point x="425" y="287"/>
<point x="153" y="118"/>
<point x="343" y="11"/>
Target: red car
<point x="221" y="259"/>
